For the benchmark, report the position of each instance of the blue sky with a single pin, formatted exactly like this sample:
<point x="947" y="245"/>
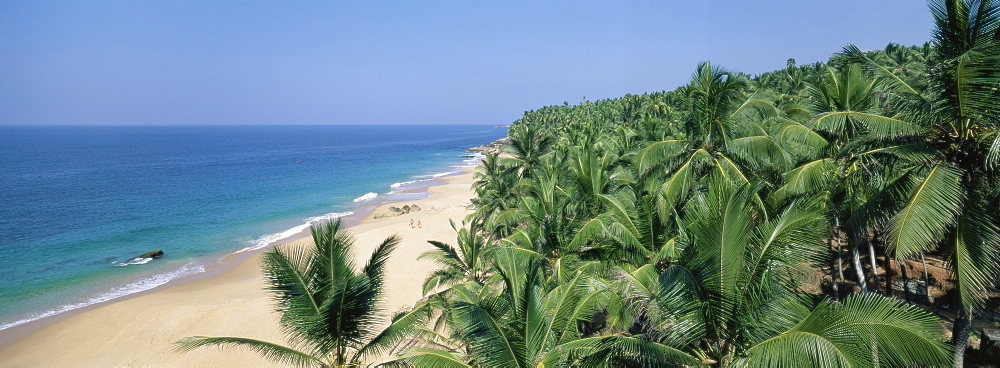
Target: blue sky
<point x="393" y="62"/>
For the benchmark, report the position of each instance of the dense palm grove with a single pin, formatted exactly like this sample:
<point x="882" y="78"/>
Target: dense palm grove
<point x="676" y="228"/>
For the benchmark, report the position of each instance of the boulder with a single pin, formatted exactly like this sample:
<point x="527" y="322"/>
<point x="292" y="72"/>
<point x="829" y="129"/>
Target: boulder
<point x="406" y="209"/>
<point x="154" y="254"/>
<point x="414" y="208"/>
<point x="395" y="211"/>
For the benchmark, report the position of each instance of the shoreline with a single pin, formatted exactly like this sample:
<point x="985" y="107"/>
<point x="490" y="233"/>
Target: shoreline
<point x="211" y="266"/>
<point x="27" y="343"/>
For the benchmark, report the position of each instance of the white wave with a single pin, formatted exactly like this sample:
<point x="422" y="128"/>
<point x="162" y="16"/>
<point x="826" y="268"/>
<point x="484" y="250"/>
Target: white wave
<point x="395" y="186"/>
<point x="465" y="164"/>
<point x="114" y="293"/>
<point x="367" y="196"/>
<point x="438" y="175"/>
<point x="267" y="240"/>
<point x="133" y="261"/>
<point x="327" y="217"/>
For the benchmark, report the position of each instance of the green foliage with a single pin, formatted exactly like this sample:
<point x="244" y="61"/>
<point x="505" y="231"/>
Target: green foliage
<point x="329" y="311"/>
<point x="673" y="228"/>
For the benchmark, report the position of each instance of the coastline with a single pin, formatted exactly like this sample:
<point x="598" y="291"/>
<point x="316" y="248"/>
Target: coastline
<point x="229" y="299"/>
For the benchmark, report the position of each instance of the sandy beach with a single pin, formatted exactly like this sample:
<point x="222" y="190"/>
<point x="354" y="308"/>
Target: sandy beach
<point x="139" y="331"/>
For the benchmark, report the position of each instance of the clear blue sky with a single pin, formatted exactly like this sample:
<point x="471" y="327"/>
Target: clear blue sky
<point x="395" y="62"/>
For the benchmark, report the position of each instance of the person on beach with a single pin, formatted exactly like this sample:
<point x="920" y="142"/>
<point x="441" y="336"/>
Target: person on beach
<point x="419" y="224"/>
<point x="411" y="223"/>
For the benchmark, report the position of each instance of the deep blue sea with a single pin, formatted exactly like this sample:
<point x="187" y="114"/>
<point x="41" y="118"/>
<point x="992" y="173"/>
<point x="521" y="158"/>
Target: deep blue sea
<point x="78" y="204"/>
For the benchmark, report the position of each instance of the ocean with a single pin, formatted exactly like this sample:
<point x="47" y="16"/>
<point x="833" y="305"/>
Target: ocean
<point x="79" y="204"/>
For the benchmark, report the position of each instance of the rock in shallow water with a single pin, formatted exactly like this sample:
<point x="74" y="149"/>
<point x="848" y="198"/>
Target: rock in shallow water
<point x="154" y="254"/>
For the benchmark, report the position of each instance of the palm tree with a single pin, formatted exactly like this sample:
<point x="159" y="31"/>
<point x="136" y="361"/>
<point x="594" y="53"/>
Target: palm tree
<point x="946" y="195"/>
<point x="724" y="132"/>
<point x="731" y="299"/>
<point x="635" y="227"/>
<point x="848" y="107"/>
<point x="520" y="323"/>
<point x="494" y="186"/>
<point x="468" y="263"/>
<point x="329" y="312"/>
<point x="527" y="146"/>
<point x="591" y="175"/>
<point x="547" y="210"/>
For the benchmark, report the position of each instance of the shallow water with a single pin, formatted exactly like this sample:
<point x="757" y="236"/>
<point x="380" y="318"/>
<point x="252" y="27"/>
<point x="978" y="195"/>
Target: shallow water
<point x="78" y="204"/>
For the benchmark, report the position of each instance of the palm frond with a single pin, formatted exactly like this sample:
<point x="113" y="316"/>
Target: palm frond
<point x="760" y="151"/>
<point x="897" y="334"/>
<point x="656" y="153"/>
<point x="612" y="351"/>
<point x="881" y="126"/>
<point x="444" y="255"/>
<point x="485" y="333"/>
<point x="332" y="260"/>
<point x="913" y="153"/>
<point x="270" y="351"/>
<point x="593" y="228"/>
<point x="793" y="133"/>
<point x="375" y="268"/>
<point x="402" y="325"/>
<point x="348" y="314"/>
<point x="807" y="177"/>
<point x="677" y="185"/>
<point x="993" y="154"/>
<point x="801" y="349"/>
<point x="897" y="82"/>
<point x="291" y="289"/>
<point x="976" y="247"/>
<point x="434" y="358"/>
<point x="930" y="207"/>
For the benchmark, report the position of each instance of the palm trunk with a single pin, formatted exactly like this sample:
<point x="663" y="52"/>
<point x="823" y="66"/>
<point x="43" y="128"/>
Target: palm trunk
<point x="888" y="276"/>
<point x="927" y="280"/>
<point x="871" y="256"/>
<point x="840" y="249"/>
<point x="856" y="259"/>
<point x="833" y="276"/>
<point x="906" y="284"/>
<point x="960" y="336"/>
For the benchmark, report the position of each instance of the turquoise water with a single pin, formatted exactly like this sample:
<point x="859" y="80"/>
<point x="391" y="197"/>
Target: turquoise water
<point x="78" y="204"/>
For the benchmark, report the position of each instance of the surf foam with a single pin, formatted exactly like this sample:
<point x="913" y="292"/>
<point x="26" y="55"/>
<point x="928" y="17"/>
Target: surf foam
<point x="270" y="239"/>
<point x="367" y="196"/>
<point x="138" y="286"/>
<point x="133" y="261"/>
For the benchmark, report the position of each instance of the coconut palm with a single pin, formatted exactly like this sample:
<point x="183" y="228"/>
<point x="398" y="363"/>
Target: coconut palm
<point x="731" y="299"/>
<point x="527" y="146"/>
<point x="724" y="132"/>
<point x="467" y="263"/>
<point x="494" y="185"/>
<point x="329" y="311"/>
<point x="591" y="175"/>
<point x="547" y="210"/>
<point x="633" y="225"/>
<point x="848" y="107"/>
<point x="519" y="323"/>
<point x="946" y="195"/>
